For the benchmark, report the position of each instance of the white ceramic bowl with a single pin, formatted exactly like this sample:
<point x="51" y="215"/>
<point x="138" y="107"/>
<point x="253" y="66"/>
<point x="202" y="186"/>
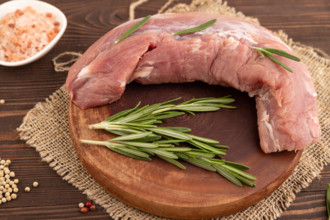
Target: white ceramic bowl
<point x="40" y="7"/>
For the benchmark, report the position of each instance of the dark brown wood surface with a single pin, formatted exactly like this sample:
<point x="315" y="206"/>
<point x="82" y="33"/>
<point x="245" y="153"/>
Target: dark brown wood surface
<point x="305" y="21"/>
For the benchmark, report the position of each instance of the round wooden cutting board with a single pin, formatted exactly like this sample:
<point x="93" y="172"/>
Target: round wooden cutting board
<point x="162" y="189"/>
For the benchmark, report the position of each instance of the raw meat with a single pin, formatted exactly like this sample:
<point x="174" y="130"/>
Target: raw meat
<point x="218" y="55"/>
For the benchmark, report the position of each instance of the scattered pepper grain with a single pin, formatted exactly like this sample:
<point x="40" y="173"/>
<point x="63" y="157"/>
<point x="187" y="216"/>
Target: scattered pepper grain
<point x="92" y="208"/>
<point x="84" y="209"/>
<point x="35" y="184"/>
<point x="88" y="204"/>
<point x="81" y="205"/>
<point x="27" y="189"/>
<point x="12" y="174"/>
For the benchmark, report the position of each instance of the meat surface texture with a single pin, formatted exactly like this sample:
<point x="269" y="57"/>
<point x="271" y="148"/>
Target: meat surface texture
<point x="219" y="55"/>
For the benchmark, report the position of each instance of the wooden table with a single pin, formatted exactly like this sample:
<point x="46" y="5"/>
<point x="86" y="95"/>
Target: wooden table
<point x="305" y="21"/>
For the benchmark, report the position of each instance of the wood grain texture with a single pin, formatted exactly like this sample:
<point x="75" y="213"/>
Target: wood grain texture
<point x="160" y="188"/>
<point x="305" y="21"/>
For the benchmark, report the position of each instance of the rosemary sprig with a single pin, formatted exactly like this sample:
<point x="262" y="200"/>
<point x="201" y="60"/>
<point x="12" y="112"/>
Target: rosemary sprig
<point x="133" y="29"/>
<point x="328" y="201"/>
<point x="140" y="137"/>
<point x="269" y="53"/>
<point x="195" y="29"/>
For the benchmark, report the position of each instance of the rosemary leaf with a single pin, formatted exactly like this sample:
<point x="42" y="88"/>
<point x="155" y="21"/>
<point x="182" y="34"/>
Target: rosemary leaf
<point x="223" y="147"/>
<point x="203" y="154"/>
<point x="243" y="180"/>
<point x="195" y="29"/>
<point x="226" y="106"/>
<point x="282" y="53"/>
<point x="180" y="129"/>
<point x="197" y="162"/>
<point x="261" y="54"/>
<point x="170" y="133"/>
<point x="176" y="149"/>
<point x="239" y="172"/>
<point x="203" y="139"/>
<point x="227" y="174"/>
<point x="149" y="138"/>
<point x="130" y="155"/>
<point x="119" y="133"/>
<point x="206" y="147"/>
<point x="133" y="29"/>
<point x="122" y="113"/>
<point x="165" y="145"/>
<point x="279" y="62"/>
<point x="169" y="115"/>
<point x="124" y="130"/>
<point x="162" y="153"/>
<point x="132" y="151"/>
<point x="170" y="101"/>
<point x="139" y="144"/>
<point x="172" y="161"/>
<point x="223" y="100"/>
<point x="237" y="165"/>
<point x="130" y="137"/>
<point x="269" y="51"/>
<point x="138" y="125"/>
<point x="328" y="200"/>
<point x="171" y="141"/>
<point x="196" y="108"/>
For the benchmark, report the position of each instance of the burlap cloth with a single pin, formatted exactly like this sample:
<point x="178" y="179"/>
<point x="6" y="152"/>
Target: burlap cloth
<point x="45" y="127"/>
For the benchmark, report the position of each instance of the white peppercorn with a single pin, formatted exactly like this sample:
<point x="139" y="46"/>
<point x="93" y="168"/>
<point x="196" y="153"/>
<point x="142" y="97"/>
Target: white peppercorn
<point x="35" y="184"/>
<point x="12" y="174"/>
<point x="13" y="196"/>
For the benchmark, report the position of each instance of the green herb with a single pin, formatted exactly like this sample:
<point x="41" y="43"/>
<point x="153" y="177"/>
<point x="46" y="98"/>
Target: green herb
<point x="195" y="29"/>
<point x="269" y="53"/>
<point x="140" y="138"/>
<point x="133" y="29"/>
<point x="328" y="201"/>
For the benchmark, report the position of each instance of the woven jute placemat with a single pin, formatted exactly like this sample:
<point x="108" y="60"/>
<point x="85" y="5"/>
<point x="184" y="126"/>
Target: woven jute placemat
<point x="45" y="127"/>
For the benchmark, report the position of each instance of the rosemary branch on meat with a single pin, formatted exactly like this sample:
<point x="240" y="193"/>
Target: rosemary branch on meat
<point x="197" y="28"/>
<point x="133" y="29"/>
<point x="269" y="53"/>
<point x="140" y="138"/>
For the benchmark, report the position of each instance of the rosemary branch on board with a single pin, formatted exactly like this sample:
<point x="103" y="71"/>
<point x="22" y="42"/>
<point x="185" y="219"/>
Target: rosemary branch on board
<point x="269" y="53"/>
<point x="140" y="138"/>
<point x="328" y="201"/>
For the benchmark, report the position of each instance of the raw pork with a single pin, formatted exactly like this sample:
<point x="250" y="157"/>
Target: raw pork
<point x="220" y="54"/>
